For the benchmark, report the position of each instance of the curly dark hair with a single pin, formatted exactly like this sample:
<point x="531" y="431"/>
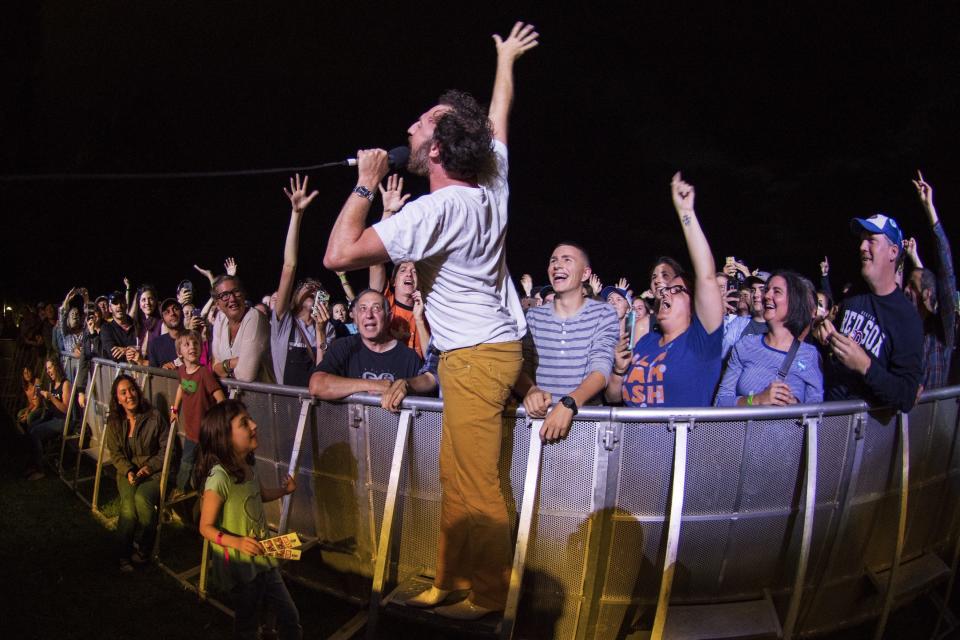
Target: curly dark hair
<point x="465" y="138"/>
<point x="216" y="443"/>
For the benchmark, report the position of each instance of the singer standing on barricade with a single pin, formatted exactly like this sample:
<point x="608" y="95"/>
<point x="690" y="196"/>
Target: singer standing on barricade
<point x="457" y="236"/>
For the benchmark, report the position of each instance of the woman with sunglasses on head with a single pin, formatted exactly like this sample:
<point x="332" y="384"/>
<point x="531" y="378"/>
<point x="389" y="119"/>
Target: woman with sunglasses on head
<point x="145" y="312"/>
<point x="753" y="374"/>
<point x="678" y="364"/>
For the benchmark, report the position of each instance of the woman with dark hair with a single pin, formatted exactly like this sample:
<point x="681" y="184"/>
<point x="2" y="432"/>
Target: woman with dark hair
<point x="678" y="363"/>
<point x="753" y="375"/>
<point x="145" y="311"/>
<point x="136" y="437"/>
<point x="54" y="398"/>
<point x="232" y="519"/>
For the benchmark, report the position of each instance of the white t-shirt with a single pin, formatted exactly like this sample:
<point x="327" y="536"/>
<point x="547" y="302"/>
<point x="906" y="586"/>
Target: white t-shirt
<point x="458" y="236"/>
<point x="251" y="345"/>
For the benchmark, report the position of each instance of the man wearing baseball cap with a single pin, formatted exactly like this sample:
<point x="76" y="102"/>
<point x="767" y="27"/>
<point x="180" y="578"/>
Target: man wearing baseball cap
<point x="162" y="351"/>
<point x="876" y="351"/>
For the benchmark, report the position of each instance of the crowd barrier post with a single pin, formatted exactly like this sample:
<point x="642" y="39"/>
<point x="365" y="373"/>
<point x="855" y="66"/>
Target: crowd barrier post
<point x="66" y="426"/>
<point x="386" y="524"/>
<point x="890" y="591"/>
<point x="677" y="485"/>
<point x="810" y="426"/>
<point x="305" y="405"/>
<point x="91" y="389"/>
<point x="164" y="479"/>
<point x="531" y="484"/>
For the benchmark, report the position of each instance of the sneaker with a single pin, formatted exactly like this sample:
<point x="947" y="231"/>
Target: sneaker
<point x="125" y="566"/>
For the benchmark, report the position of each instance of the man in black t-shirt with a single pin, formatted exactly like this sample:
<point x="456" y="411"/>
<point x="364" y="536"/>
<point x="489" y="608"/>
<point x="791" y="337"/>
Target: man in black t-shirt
<point x="366" y="362"/>
<point x="876" y="351"/>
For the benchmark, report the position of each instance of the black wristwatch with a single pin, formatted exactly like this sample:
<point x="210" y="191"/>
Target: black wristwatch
<point x="569" y="403"/>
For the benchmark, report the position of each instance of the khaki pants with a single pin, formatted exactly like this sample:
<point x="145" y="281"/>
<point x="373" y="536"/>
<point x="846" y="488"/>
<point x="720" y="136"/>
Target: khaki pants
<point x="474" y="547"/>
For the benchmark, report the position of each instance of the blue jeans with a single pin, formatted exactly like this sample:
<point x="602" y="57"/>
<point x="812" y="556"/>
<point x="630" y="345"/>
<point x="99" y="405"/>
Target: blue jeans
<point x="138" y="514"/>
<point x="247" y="598"/>
<point x="186" y="464"/>
<point x="39" y="433"/>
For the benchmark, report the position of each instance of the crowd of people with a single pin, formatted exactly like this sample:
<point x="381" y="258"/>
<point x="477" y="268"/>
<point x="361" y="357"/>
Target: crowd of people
<point x="448" y="320"/>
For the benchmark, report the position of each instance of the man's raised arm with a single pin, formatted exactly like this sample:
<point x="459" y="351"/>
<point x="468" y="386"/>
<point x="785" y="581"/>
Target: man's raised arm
<point x="522" y="38"/>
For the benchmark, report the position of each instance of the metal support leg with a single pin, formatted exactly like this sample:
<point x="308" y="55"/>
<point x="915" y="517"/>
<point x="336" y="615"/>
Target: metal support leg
<point x="386" y="526"/>
<point x="164" y="477"/>
<point x="531" y="484"/>
<point x="677" y="488"/>
<point x="66" y="427"/>
<point x="903" y="419"/>
<point x="810" y="490"/>
<point x="294" y="460"/>
<point x="83" y="427"/>
<point x="98" y="476"/>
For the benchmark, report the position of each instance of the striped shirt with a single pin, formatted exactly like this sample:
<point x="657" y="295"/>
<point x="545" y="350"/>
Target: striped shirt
<point x="753" y="366"/>
<point x="559" y="353"/>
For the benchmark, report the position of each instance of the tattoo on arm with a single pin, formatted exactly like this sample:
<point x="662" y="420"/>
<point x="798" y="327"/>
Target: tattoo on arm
<point x="686" y="219"/>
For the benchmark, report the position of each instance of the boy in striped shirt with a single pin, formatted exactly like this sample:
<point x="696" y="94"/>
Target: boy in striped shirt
<point x="568" y="352"/>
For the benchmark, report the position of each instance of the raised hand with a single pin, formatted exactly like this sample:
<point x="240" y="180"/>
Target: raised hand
<point x="393" y="196"/>
<point x="683" y="195"/>
<point x="623" y="284"/>
<point x="825" y="266"/>
<point x="418" y="308"/>
<point x="595" y="284"/>
<point x="526" y="283"/>
<point x="910" y="248"/>
<point x="372" y="166"/>
<point x="924" y="190"/>
<point x="205" y="272"/>
<point x="522" y="38"/>
<point x="298" y="194"/>
<point x="231" y="266"/>
<point x="321" y="316"/>
<point x="126" y="282"/>
<point x="623" y="354"/>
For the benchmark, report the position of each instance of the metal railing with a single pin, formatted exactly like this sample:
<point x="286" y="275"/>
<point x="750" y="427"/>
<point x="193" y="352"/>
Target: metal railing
<point x="640" y="518"/>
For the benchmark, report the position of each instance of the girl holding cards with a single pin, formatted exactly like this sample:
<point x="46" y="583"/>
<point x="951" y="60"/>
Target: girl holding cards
<point x="232" y="519"/>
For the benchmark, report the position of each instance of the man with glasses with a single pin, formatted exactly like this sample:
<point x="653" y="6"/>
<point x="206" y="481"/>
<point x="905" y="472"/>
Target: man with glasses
<point x="367" y="362"/>
<point x="241" y="339"/>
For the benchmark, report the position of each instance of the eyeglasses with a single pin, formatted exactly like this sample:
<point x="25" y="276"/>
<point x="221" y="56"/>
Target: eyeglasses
<point x="223" y="296"/>
<point x="672" y="290"/>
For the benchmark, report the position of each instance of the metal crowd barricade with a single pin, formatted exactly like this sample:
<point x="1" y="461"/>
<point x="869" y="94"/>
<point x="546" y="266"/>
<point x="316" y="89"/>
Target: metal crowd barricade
<point x="640" y="515"/>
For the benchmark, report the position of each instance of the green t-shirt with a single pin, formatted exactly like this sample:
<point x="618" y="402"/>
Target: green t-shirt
<point x="241" y="515"/>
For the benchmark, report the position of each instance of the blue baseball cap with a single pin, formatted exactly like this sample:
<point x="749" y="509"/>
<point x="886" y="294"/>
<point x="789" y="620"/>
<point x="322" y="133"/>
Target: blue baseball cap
<point x="607" y="290"/>
<point x="879" y="223"/>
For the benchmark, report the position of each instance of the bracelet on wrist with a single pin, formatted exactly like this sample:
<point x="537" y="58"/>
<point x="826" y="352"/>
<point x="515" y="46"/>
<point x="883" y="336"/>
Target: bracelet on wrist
<point x="750" y="400"/>
<point x="620" y="373"/>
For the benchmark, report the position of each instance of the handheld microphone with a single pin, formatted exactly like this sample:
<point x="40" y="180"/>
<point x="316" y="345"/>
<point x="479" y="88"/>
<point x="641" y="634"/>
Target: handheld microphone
<point x="397" y="157"/>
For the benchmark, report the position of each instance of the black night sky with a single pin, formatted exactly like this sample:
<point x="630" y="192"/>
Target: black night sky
<point x="788" y="119"/>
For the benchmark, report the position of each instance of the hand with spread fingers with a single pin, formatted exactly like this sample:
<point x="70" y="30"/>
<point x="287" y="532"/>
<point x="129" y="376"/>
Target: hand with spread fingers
<point x="393" y="196"/>
<point x="297" y="193"/>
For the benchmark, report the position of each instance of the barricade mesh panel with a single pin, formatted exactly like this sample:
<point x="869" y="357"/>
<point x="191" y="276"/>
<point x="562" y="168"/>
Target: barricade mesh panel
<point x="926" y="500"/>
<point x="286" y="416"/>
<point x="920" y="433"/>
<point x="645" y="468"/>
<point x="880" y="462"/>
<point x="941" y="438"/>
<point x="424" y="452"/>
<point x="555" y="567"/>
<point x="513" y="462"/>
<point x="833" y="441"/>
<point x="713" y="464"/>
<point x="560" y="489"/>
<point x="699" y="558"/>
<point x="632" y="571"/>
<point x="773" y="466"/>
<point x="878" y="552"/>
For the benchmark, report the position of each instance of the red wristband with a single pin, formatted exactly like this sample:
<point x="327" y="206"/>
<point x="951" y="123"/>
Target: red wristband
<point x="226" y="552"/>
